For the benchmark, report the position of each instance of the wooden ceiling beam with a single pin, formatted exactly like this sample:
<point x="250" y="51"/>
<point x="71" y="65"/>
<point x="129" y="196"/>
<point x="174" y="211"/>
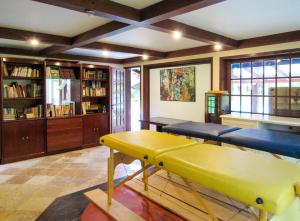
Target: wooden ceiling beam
<point x="124" y="49"/>
<point x="194" y="33"/>
<point x="170" y="8"/>
<point x="103" y="8"/>
<point x="21" y="35"/>
<point x="103" y="31"/>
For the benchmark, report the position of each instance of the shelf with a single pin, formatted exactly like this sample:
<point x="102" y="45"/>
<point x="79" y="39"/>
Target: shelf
<point x="94" y="79"/>
<point x="62" y="78"/>
<point x="84" y="97"/>
<point x="23" y="119"/>
<point x="22" y="78"/>
<point x="22" y="98"/>
<point x="63" y="117"/>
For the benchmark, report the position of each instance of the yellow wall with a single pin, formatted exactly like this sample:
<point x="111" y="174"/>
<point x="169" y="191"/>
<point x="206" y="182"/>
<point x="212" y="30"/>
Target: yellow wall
<point x="217" y="55"/>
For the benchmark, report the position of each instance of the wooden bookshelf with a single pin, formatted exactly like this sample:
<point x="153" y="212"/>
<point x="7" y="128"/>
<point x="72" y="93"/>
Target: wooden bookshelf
<point x="24" y="138"/>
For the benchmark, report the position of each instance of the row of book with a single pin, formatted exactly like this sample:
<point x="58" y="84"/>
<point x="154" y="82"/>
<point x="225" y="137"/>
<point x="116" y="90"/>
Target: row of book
<point x="16" y="90"/>
<point x="88" y="108"/>
<point x="60" y="110"/>
<point x="94" y="75"/>
<point x="21" y="71"/>
<point x="66" y="73"/>
<point x="93" y="92"/>
<point x="10" y="113"/>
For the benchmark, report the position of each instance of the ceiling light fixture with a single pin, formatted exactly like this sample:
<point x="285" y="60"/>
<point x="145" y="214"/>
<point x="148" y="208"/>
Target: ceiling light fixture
<point x="105" y="53"/>
<point x="177" y="35"/>
<point x="91" y="66"/>
<point x="34" y="42"/>
<point x="145" y="57"/>
<point x="57" y="63"/>
<point x="218" y="46"/>
<point x="4" y="59"/>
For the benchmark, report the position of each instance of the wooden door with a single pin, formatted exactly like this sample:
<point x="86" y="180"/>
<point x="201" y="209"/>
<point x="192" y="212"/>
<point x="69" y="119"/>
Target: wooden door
<point x="118" y="112"/>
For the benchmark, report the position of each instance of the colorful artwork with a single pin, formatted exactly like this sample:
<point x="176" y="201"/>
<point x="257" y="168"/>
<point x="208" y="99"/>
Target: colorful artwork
<point x="178" y="84"/>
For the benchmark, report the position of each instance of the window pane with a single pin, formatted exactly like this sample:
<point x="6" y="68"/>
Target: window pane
<point x="257" y="87"/>
<point x="295" y="71"/>
<point x="295" y="107"/>
<point x="270" y="87"/>
<point x="270" y="69"/>
<point x="283" y="68"/>
<point x="235" y="87"/>
<point x="246" y="87"/>
<point x="246" y="70"/>
<point x="269" y="105"/>
<point x="235" y="71"/>
<point x="257" y="105"/>
<point x="235" y="103"/>
<point x="257" y="69"/>
<point x="283" y="86"/>
<point x="246" y="104"/>
<point x="295" y="84"/>
<point x="282" y="105"/>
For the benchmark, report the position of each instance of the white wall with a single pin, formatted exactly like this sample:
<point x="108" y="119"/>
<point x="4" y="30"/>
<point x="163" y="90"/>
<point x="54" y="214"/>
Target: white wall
<point x="194" y="111"/>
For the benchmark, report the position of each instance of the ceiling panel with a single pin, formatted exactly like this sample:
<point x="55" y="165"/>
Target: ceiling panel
<point x="21" y="45"/>
<point x="150" y="39"/>
<point x="38" y="17"/>
<point x="241" y="19"/>
<point x="137" y="4"/>
<point x="99" y="53"/>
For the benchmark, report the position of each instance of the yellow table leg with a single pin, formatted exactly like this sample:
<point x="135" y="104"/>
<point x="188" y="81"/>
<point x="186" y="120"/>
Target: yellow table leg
<point x="263" y="215"/>
<point x="110" y="175"/>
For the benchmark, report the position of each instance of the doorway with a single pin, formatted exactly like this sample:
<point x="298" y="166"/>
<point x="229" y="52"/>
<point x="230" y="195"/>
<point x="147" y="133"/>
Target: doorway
<point x="135" y="98"/>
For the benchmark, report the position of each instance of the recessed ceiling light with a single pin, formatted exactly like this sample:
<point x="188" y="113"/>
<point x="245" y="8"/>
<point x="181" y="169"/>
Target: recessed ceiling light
<point x="218" y="46"/>
<point x="57" y="63"/>
<point x="145" y="57"/>
<point x="177" y="35"/>
<point x="105" y="53"/>
<point x="34" y="42"/>
<point x="4" y="59"/>
<point x="91" y="66"/>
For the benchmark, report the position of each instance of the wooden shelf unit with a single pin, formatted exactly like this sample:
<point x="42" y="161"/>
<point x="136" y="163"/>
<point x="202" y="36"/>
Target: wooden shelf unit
<point x="24" y="138"/>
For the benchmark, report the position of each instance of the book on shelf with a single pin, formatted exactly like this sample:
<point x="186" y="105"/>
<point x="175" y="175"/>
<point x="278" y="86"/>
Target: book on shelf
<point x="66" y="73"/>
<point x="94" y="75"/>
<point x="34" y="112"/>
<point x="88" y="108"/>
<point x="60" y="110"/>
<point x="16" y="90"/>
<point x="9" y="113"/>
<point x="93" y="89"/>
<point x="22" y="71"/>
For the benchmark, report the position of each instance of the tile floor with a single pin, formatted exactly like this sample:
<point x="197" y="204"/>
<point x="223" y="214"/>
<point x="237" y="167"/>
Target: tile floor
<point x="28" y="187"/>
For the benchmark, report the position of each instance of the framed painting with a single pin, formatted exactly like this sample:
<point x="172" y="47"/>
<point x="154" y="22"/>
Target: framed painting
<point x="178" y="84"/>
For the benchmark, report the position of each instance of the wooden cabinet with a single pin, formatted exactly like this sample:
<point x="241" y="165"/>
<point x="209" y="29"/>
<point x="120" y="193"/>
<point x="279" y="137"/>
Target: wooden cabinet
<point x="64" y="133"/>
<point x="23" y="139"/>
<point x="94" y="126"/>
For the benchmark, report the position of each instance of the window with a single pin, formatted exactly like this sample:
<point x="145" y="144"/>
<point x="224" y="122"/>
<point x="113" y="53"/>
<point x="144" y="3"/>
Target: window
<point x="266" y="86"/>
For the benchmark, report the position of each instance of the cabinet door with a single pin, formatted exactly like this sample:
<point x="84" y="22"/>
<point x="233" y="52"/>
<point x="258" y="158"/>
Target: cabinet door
<point x="91" y="129"/>
<point x="22" y="139"/>
<point x="104" y="124"/>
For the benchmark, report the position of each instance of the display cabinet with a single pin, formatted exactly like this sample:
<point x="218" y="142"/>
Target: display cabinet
<point x="217" y="104"/>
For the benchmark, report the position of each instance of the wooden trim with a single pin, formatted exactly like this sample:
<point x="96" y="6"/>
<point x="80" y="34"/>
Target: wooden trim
<point x="170" y="8"/>
<point x="124" y="49"/>
<point x="146" y="81"/>
<point x="194" y="33"/>
<point x="107" y="9"/>
<point x="85" y="58"/>
<point x="21" y="35"/>
<point x="128" y="99"/>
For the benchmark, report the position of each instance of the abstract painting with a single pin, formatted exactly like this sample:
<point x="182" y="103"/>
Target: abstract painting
<point x="178" y="84"/>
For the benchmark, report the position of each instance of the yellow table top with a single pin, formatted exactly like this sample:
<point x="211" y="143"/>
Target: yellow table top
<point x="243" y="175"/>
<point x="144" y="143"/>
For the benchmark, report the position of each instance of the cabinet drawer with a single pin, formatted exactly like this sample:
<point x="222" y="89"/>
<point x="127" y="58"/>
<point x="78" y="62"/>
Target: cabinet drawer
<point x="23" y="139"/>
<point x="63" y="134"/>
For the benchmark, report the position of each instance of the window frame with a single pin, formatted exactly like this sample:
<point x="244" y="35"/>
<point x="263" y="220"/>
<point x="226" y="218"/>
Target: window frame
<point x="263" y="59"/>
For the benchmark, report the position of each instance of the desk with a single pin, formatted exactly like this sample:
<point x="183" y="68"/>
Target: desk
<point x="160" y="122"/>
